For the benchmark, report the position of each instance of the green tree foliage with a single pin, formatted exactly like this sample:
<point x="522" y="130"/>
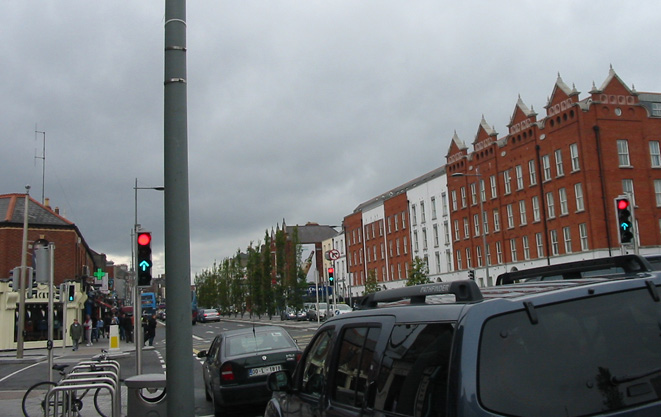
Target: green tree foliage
<point x="419" y="273"/>
<point x="371" y="285"/>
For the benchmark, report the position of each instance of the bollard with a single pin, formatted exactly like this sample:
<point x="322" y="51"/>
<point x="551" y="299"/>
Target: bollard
<point x="146" y="395"/>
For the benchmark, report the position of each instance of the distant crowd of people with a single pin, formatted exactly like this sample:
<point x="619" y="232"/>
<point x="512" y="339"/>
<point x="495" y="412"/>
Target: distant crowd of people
<point x="92" y="329"/>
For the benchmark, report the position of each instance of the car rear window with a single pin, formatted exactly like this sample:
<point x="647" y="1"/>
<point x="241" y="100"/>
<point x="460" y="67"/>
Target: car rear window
<point x="258" y="342"/>
<point x="580" y="358"/>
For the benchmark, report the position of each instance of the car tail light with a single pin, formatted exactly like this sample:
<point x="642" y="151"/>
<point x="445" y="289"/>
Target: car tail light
<point x="226" y="373"/>
<point x="298" y="356"/>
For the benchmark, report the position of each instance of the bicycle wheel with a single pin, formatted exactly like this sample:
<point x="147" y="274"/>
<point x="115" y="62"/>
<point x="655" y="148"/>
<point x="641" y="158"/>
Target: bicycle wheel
<point x="102" y="402"/>
<point x="34" y="400"/>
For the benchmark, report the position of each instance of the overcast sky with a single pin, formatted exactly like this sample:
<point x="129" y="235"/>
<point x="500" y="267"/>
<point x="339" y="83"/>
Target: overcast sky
<point x="296" y="109"/>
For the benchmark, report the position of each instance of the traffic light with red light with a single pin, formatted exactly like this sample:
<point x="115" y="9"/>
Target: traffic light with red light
<point x="624" y="219"/>
<point x="331" y="278"/>
<point x="144" y="262"/>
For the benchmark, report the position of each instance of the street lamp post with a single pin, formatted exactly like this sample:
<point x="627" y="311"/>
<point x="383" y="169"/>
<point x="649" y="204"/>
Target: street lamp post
<point x="137" y="300"/>
<point x="484" y="232"/>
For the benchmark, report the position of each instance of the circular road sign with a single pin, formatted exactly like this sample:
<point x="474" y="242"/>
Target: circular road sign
<point x="334" y="254"/>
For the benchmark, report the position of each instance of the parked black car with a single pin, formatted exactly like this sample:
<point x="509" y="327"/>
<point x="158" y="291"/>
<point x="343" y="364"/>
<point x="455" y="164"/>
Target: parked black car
<point x="545" y="349"/>
<point x="239" y="361"/>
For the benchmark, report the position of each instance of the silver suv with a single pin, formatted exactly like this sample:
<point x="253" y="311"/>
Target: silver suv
<point x="544" y="349"/>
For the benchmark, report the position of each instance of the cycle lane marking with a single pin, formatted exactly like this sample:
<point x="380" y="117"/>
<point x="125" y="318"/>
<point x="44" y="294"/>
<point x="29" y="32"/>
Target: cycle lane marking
<point x="19" y="371"/>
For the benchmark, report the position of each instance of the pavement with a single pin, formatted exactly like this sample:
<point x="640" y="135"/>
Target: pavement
<point x="10" y="401"/>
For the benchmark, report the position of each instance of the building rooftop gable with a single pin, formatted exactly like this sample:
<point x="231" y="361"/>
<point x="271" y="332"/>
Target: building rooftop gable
<point x="12" y="207"/>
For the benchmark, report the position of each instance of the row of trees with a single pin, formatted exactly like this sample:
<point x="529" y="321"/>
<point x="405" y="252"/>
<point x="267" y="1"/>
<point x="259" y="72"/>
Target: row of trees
<point x="269" y="277"/>
<point x="259" y="281"/>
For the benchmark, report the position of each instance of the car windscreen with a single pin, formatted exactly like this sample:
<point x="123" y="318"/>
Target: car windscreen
<point x="260" y="341"/>
<point x="581" y="357"/>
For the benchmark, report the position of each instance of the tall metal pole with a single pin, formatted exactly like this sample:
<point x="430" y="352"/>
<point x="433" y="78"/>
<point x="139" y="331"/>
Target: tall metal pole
<point x="51" y="309"/>
<point x="137" y="300"/>
<point x="181" y="398"/>
<point x="21" y="296"/>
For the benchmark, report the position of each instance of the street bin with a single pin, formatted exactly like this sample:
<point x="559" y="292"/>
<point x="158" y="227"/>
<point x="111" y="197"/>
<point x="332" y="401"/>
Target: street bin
<point x="146" y="395"/>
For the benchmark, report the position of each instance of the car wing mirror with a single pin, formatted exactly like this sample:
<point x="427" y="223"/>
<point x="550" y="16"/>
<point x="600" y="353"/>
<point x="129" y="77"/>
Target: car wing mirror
<point x="279" y="381"/>
<point x="202" y="354"/>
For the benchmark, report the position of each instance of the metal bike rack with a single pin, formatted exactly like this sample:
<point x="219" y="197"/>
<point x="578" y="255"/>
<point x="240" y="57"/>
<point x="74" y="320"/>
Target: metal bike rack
<point x="54" y="392"/>
<point x="94" y="376"/>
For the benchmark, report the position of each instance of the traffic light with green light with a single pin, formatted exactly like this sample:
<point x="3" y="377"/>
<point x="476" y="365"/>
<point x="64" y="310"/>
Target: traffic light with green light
<point x="331" y="278"/>
<point x="624" y="219"/>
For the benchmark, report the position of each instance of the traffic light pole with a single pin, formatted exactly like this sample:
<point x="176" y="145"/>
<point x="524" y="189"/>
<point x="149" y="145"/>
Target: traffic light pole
<point x="21" y="294"/>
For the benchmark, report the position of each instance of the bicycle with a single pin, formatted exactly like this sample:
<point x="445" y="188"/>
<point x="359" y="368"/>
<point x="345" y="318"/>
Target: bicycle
<point x="36" y="399"/>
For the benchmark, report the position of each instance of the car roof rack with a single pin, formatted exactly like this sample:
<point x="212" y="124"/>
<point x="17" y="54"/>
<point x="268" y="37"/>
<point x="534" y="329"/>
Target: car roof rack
<point x="465" y="291"/>
<point x="628" y="264"/>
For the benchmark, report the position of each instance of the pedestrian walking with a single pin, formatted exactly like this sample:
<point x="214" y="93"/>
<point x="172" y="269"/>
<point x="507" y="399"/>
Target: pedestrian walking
<point x="151" y="329"/>
<point x="87" y="326"/>
<point x="100" y="329"/>
<point x="95" y="329"/>
<point x="76" y="331"/>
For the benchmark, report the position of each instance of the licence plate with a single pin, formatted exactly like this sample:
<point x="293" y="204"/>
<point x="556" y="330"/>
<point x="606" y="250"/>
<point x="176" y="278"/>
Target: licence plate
<point x="264" y="370"/>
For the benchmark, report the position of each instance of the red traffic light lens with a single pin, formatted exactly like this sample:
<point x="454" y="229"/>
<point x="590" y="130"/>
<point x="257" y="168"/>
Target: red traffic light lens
<point x="144" y="239"/>
<point x="330" y="270"/>
<point x="622" y="204"/>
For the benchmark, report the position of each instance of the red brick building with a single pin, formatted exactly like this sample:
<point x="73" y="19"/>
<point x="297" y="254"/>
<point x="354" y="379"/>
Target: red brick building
<point x="548" y="186"/>
<point x="73" y="257"/>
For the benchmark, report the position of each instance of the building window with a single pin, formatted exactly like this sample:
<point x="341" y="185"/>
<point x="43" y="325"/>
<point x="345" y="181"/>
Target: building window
<point x="488" y="255"/>
<point x="554" y="243"/>
<point x="423" y="216"/>
<point x="550" y="202"/>
<point x="459" y="264"/>
<point x="437" y="257"/>
<point x="463" y="197"/>
<point x="623" y="152"/>
<point x="539" y="242"/>
<point x="510" y="216"/>
<point x="535" y="209"/>
<point x="583" y="235"/>
<point x="397" y="221"/>
<point x="433" y="208"/>
<point x="578" y="191"/>
<point x="444" y="203"/>
<point x="627" y="187"/>
<point x="469" y="262"/>
<point x="415" y="240"/>
<point x="403" y="221"/>
<point x="424" y="239"/>
<point x="448" y="260"/>
<point x="496" y="220"/>
<point x="499" y="253"/>
<point x="414" y="215"/>
<point x="526" y="247"/>
<point x="573" y="153"/>
<point x="478" y="251"/>
<point x="397" y="246"/>
<point x="533" y="172"/>
<point x="656" y="109"/>
<point x="522" y="212"/>
<point x="513" y="250"/>
<point x="494" y="189"/>
<point x="446" y="232"/>
<point x="473" y="194"/>
<point x="657" y="192"/>
<point x="655" y="154"/>
<point x="564" y="208"/>
<point x="406" y="245"/>
<point x="483" y="191"/>
<point x="456" y="230"/>
<point x="566" y="234"/>
<point x="559" y="170"/>
<point x="519" y="177"/>
<point x="453" y="197"/>
<point x="546" y="166"/>
<point x="436" y="238"/>
<point x="466" y="232"/>
<point x="390" y="249"/>
<point x="506" y="181"/>
<point x="389" y="224"/>
<point x="476" y="224"/>
<point x="485" y="221"/>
